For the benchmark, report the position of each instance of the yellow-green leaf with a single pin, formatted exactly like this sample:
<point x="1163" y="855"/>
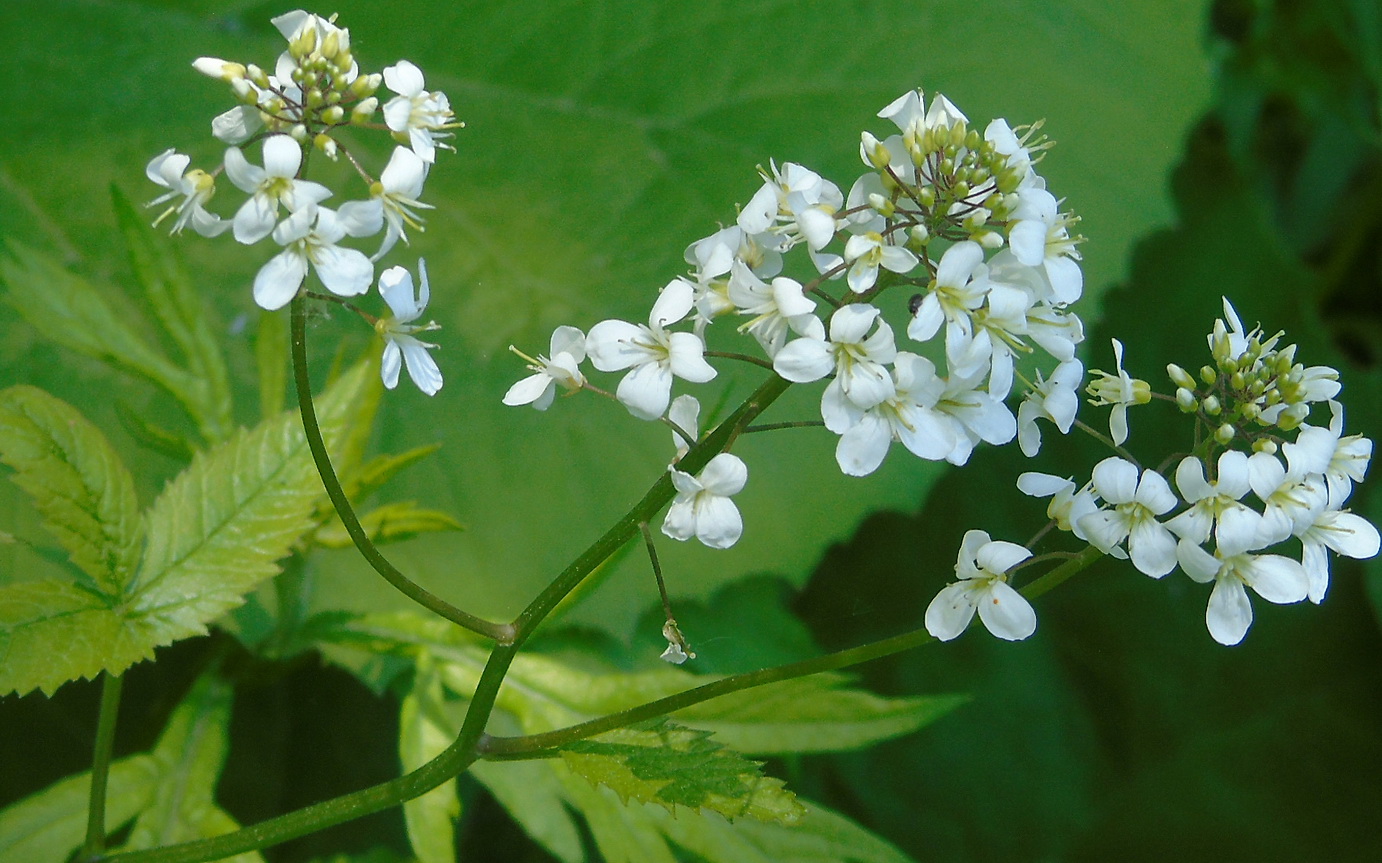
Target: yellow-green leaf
<point x="76" y="481"/>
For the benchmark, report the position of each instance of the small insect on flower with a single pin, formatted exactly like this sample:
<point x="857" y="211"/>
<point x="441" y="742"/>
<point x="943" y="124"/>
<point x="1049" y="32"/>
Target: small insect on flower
<point x="914" y="304"/>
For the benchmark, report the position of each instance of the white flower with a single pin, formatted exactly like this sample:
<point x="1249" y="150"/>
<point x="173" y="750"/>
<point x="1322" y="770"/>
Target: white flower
<point x="653" y="354"/>
<point x="237" y="125"/>
<point x="908" y="416"/>
<point x="1119" y="390"/>
<point x="1329" y="528"/>
<point x="983" y="566"/>
<point x="391" y="200"/>
<point x="776" y="308"/>
<point x="310" y="235"/>
<point x="563" y="369"/>
<point x="685" y="414"/>
<point x="1039" y="238"/>
<point x="269" y="186"/>
<point x="797" y="204"/>
<point x="1135" y="504"/>
<point x="857" y="358"/>
<point x="169" y="170"/>
<point x="1055" y="399"/>
<point x="867" y="252"/>
<point x="1275" y="578"/>
<point x="400" y="347"/>
<point x="703" y="508"/>
<point x="417" y="117"/>
<point x="975" y="414"/>
<point x="1209" y="500"/>
<point x="1067" y="505"/>
<point x="954" y="297"/>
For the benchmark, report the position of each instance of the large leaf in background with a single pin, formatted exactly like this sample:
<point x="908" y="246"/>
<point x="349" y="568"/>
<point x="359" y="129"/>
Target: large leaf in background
<point x="216" y="531"/>
<point x="601" y="139"/>
<point x="190" y="754"/>
<point x="51" y="824"/>
<point x="654" y="783"/>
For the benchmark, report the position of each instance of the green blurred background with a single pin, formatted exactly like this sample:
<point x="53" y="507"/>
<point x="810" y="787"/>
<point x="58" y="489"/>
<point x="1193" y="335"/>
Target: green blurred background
<point x="1228" y="148"/>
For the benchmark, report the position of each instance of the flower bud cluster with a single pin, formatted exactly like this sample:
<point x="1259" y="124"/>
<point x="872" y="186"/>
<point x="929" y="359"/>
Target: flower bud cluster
<point x="315" y="91"/>
<point x="955" y="222"/>
<point x="1261" y="481"/>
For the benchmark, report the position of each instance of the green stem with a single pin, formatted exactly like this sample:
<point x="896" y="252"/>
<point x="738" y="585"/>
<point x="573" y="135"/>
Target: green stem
<point x="532" y="745"/>
<point x="428" y="600"/>
<point x="657" y="497"/>
<point x="111" y="684"/>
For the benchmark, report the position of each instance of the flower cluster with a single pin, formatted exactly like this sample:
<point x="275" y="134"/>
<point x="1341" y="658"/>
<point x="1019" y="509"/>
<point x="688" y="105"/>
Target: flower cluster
<point x="1259" y="476"/>
<point x="316" y="92"/>
<point x="956" y="222"/>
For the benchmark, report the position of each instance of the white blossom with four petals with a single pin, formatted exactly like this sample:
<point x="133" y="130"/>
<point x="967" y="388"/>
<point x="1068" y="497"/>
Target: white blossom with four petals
<point x="982" y="567"/>
<point x="401" y="346"/>
<point x="703" y="508"/>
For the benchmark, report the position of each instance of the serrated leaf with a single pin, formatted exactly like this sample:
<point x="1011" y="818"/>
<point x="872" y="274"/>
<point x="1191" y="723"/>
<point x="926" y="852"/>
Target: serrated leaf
<point x="180" y="310"/>
<point x="218" y="528"/>
<point x="76" y="481"/>
<point x="392" y="522"/>
<point x="215" y="532"/>
<point x="190" y="753"/>
<point x="53" y="631"/>
<point x="423" y="732"/>
<point x="51" y="823"/>
<point x="73" y="312"/>
<point x="671" y="765"/>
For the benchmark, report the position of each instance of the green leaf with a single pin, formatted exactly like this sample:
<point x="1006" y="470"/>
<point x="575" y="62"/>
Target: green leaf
<point x="77" y="482"/>
<point x="821" y="836"/>
<point x="813" y="714"/>
<point x="531" y="793"/>
<point x="218" y="528"/>
<point x="423" y="732"/>
<point x="392" y="522"/>
<point x="191" y="753"/>
<point x="51" y="824"/>
<point x="215" y="532"/>
<point x="383" y="468"/>
<point x="671" y="765"/>
<point x="52" y="632"/>
<point x="180" y="310"/>
<point x="73" y="312"/>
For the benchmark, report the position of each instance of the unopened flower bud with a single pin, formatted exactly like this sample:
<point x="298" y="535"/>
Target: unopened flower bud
<point x="326" y="144"/>
<point x="988" y="239"/>
<point x="298" y="133"/>
<point x="1208" y="374"/>
<point x="1237" y="381"/>
<point x="1211" y="405"/>
<point x="364" y="111"/>
<point x="364" y="86"/>
<point x="1179" y="376"/>
<point x="873" y="152"/>
<point x="1266" y="445"/>
<point x="215" y="67"/>
<point x="1186" y="401"/>
<point x="258" y="76"/>
<point x="333" y="115"/>
<point x="306" y="41"/>
<point x="920" y="235"/>
<point x="1224" y="433"/>
<point x="331" y="45"/>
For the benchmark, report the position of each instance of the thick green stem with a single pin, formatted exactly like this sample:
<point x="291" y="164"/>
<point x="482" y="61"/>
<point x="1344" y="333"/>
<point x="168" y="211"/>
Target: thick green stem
<point x="530" y="745"/>
<point x="111" y="684"/>
<point x="416" y="592"/>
